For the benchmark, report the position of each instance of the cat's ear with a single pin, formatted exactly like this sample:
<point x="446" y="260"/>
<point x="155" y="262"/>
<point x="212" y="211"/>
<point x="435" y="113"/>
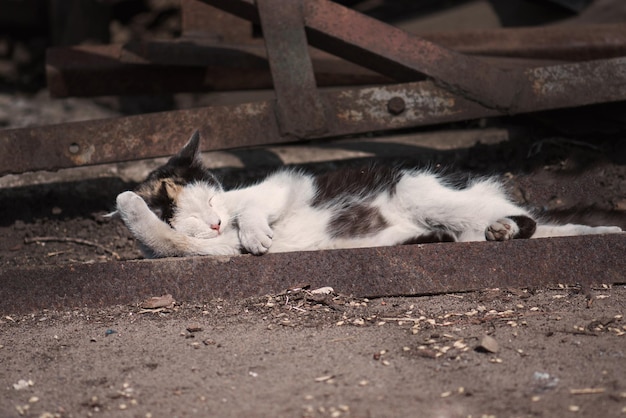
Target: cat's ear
<point x="190" y="153"/>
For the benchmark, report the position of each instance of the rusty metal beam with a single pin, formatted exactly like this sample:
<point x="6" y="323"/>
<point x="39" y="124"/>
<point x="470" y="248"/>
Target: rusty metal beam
<point x="203" y="21"/>
<point x="566" y="43"/>
<point x="222" y="127"/>
<point x="372" y="272"/>
<point x="300" y="111"/>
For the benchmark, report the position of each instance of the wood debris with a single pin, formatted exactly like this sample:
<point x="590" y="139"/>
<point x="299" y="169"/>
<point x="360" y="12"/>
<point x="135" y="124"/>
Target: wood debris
<point x="586" y="391"/>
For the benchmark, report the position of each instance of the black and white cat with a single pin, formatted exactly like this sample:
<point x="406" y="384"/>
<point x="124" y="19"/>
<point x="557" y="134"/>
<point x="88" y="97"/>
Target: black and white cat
<point x="181" y="209"/>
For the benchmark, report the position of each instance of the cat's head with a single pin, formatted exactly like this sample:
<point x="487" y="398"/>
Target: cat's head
<point x="162" y="187"/>
<point x="200" y="211"/>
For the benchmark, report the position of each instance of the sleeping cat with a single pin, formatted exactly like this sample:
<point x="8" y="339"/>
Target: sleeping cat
<point x="181" y="209"/>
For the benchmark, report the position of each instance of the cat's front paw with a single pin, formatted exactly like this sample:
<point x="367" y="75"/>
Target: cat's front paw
<point x="501" y="230"/>
<point x="256" y="240"/>
<point x="131" y="206"/>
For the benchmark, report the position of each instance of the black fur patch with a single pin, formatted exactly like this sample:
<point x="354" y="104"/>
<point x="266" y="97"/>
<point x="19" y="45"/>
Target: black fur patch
<point x="432" y="237"/>
<point x="359" y="182"/>
<point x="527" y="226"/>
<point x="182" y="171"/>
<point x="357" y="221"/>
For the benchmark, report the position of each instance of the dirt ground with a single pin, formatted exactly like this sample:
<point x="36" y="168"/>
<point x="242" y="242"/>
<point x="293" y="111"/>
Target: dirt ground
<point x="555" y="354"/>
<point x="555" y="351"/>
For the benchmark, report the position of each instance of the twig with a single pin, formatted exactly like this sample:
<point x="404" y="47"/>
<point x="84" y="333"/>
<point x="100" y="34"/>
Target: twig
<point x="403" y="319"/>
<point x="586" y="391"/>
<point x="72" y="240"/>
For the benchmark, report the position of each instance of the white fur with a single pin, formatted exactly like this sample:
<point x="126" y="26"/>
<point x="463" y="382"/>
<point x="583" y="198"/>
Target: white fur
<point x="276" y="215"/>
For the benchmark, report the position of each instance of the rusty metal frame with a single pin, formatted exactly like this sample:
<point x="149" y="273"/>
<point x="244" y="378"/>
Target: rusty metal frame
<point x="370" y="272"/>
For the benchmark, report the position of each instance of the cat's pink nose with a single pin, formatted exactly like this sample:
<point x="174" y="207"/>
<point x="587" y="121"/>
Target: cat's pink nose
<point x="216" y="226"/>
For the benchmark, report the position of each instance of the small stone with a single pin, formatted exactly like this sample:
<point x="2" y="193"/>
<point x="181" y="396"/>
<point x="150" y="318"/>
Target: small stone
<point x="326" y="290"/>
<point x="194" y="328"/>
<point x="158" y="302"/>
<point x="22" y="384"/>
<point x="488" y="344"/>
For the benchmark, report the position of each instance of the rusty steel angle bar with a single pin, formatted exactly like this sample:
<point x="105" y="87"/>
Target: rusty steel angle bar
<point x="350" y="111"/>
<point x="394" y="52"/>
<point x="299" y="108"/>
<point x="571" y="85"/>
<point x="369" y="272"/>
<point x="579" y="42"/>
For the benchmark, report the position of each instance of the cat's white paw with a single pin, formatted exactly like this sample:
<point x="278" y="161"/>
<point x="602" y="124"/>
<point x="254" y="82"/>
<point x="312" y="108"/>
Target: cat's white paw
<point x="256" y="239"/>
<point x="501" y="230"/>
<point x="131" y="206"/>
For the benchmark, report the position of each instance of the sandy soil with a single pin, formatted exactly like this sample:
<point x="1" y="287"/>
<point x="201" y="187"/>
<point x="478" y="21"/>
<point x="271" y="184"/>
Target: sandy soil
<point x="552" y="352"/>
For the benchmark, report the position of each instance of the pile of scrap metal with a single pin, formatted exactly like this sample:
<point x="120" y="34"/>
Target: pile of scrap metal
<point x="410" y="80"/>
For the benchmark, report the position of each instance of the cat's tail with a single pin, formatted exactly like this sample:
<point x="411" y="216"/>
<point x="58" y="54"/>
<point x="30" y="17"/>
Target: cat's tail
<point x="578" y="221"/>
<point x="545" y="231"/>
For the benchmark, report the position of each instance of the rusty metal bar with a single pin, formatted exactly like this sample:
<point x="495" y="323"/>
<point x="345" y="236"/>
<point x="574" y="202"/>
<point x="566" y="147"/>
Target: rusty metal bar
<point x="204" y="21"/>
<point x="300" y="111"/>
<point x="370" y="272"/>
<point x="566" y="43"/>
<point x="223" y="127"/>
<point x="135" y="137"/>
<point x="571" y="85"/>
<point x="394" y="52"/>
